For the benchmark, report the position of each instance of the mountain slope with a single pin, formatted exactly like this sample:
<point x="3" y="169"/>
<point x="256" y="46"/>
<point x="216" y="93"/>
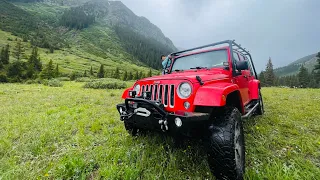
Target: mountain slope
<point x="293" y="68"/>
<point x="100" y="41"/>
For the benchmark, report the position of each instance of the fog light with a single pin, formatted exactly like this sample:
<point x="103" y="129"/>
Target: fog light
<point x="186" y="105"/>
<point x="120" y="110"/>
<point x="178" y="122"/>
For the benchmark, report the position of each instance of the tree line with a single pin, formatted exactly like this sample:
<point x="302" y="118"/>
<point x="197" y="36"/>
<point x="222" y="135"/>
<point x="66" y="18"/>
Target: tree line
<point x="304" y="79"/>
<point x="18" y="70"/>
<point x="125" y="76"/>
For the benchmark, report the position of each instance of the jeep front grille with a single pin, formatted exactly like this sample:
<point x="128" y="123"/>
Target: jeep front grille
<point x="164" y="92"/>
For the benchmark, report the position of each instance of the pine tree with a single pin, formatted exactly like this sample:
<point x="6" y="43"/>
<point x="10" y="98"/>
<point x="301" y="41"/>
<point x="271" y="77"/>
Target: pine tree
<point x="85" y="73"/>
<point x="261" y="78"/>
<point x="269" y="74"/>
<point x="303" y="77"/>
<point x="2" y="58"/>
<point x="317" y="69"/>
<point x="91" y="71"/>
<point x="317" y="66"/>
<point x="150" y="73"/>
<point x="15" y="70"/>
<point x="48" y="71"/>
<point x="136" y="76"/>
<point x="5" y="55"/>
<point x="56" y="71"/>
<point x="116" y="74"/>
<point x="101" y="72"/>
<point x="18" y="51"/>
<point x="125" y="76"/>
<point x="313" y="81"/>
<point x="130" y="77"/>
<point x="34" y="65"/>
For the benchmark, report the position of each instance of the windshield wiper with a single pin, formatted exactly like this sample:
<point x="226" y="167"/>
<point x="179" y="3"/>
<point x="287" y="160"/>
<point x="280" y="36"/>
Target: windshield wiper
<point x="178" y="70"/>
<point x="199" y="68"/>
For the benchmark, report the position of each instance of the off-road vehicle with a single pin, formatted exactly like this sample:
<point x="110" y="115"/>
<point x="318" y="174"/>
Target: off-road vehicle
<point x="205" y="93"/>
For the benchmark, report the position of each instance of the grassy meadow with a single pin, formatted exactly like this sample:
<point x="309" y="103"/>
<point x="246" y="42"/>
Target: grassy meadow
<point x="71" y="132"/>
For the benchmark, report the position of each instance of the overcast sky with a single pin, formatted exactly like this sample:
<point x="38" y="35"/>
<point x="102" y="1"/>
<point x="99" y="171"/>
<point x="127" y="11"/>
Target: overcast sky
<point x="285" y="30"/>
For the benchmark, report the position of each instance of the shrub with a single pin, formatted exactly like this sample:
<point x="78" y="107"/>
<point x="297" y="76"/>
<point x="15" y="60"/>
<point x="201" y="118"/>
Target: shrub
<point x="3" y="78"/>
<point x="54" y="83"/>
<point x="63" y="78"/>
<point x="105" y="85"/>
<point x="84" y="79"/>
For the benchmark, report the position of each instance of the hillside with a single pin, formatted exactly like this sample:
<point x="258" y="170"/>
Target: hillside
<point x="293" y="68"/>
<point x="83" y="34"/>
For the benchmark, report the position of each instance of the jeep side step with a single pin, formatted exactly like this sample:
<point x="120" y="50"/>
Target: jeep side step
<point x="250" y="112"/>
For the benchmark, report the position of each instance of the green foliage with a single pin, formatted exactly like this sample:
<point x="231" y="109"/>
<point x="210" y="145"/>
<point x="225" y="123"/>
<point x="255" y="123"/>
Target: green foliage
<point x="85" y="73"/>
<point x="130" y="77"/>
<point x="76" y="18"/>
<point x="91" y="71"/>
<point x="101" y="72"/>
<point x="15" y="71"/>
<point x="150" y="73"/>
<point x="28" y="26"/>
<point x="146" y="50"/>
<point x="56" y="71"/>
<point x="18" y="50"/>
<point x="125" y="76"/>
<point x="84" y="79"/>
<point x="4" y="55"/>
<point x="105" y="85"/>
<point x="34" y="64"/>
<point x="303" y="77"/>
<point x="116" y="74"/>
<point x="3" y="78"/>
<point x="48" y="72"/>
<point x="54" y="83"/>
<point x="261" y="78"/>
<point x="269" y="74"/>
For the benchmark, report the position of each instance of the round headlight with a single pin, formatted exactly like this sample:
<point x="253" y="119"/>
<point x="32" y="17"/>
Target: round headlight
<point x="137" y="88"/>
<point x="184" y="90"/>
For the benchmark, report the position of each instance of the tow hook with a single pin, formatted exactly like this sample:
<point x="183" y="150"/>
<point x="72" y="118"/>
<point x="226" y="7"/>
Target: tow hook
<point x="164" y="125"/>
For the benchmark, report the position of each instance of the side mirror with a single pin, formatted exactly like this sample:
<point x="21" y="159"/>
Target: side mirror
<point x="242" y="65"/>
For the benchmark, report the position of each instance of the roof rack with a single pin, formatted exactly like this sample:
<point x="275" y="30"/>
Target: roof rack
<point x="232" y="45"/>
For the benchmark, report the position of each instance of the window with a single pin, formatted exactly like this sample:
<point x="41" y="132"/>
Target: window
<point x="211" y="59"/>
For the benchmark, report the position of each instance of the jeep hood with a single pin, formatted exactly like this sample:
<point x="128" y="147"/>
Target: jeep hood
<point x="205" y="75"/>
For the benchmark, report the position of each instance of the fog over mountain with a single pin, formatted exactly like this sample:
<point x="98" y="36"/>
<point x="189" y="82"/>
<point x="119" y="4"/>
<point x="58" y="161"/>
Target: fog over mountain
<point x="285" y="30"/>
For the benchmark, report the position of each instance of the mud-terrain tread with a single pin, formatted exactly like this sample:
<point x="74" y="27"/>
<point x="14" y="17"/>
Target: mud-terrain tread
<point x="221" y="157"/>
<point x="130" y="129"/>
<point x="260" y="110"/>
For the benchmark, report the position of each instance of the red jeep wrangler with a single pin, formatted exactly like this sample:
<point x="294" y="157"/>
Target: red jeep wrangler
<point x="205" y="93"/>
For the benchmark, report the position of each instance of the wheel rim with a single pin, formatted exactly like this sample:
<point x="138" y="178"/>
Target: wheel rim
<point x="238" y="149"/>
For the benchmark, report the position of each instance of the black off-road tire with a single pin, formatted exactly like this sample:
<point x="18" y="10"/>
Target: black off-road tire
<point x="226" y="146"/>
<point x="260" y="108"/>
<point x="133" y="131"/>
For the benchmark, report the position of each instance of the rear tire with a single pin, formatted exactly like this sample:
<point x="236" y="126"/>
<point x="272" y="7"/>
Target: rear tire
<point x="226" y="146"/>
<point x="260" y="109"/>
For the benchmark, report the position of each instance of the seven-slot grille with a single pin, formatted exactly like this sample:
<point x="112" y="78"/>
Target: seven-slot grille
<point x="165" y="92"/>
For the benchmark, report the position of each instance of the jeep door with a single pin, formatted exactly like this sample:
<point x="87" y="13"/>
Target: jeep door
<point x="242" y="80"/>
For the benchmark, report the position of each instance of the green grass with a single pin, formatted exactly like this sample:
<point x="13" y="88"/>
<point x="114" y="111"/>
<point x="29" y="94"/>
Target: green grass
<point x="72" y="132"/>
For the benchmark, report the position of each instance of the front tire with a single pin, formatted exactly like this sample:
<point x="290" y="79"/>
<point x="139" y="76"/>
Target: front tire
<point x="226" y="150"/>
<point x="133" y="131"/>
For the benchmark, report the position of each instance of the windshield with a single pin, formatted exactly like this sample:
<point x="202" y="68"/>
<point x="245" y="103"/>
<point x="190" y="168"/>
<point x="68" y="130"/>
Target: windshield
<point x="209" y="59"/>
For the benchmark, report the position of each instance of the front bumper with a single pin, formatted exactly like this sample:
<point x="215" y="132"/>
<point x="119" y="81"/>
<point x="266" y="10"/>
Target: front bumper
<point x="151" y="115"/>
